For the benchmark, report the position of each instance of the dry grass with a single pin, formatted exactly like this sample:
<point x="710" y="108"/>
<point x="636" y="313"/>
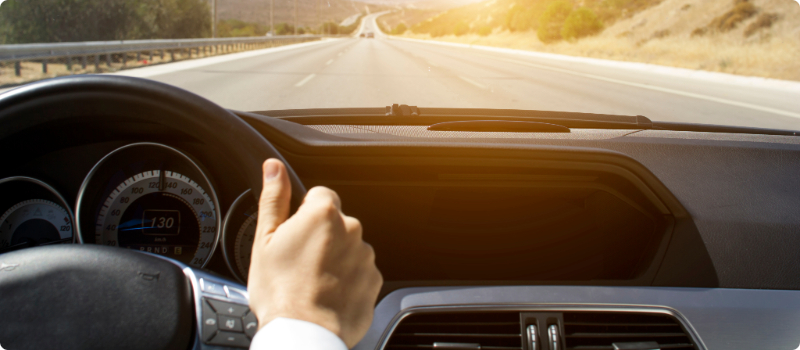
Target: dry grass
<point x="771" y="58"/>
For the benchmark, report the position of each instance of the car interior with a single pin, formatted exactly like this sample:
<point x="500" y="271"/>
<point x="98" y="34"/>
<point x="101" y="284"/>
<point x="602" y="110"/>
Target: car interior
<point x="130" y="209"/>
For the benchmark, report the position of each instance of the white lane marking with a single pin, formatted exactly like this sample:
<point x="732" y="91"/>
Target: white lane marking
<point x="660" y="89"/>
<point x="329" y="62"/>
<point x="305" y="80"/>
<point x="473" y="82"/>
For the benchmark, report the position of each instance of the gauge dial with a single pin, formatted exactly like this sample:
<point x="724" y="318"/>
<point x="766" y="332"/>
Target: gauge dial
<point x="153" y="198"/>
<point x="243" y="246"/>
<point x="34" y="222"/>
<point x="160" y="212"/>
<point x="33" y="214"/>
<point x="239" y="231"/>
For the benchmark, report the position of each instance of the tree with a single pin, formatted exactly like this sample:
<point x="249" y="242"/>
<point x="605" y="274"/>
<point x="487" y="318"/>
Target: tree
<point x="553" y="20"/>
<point x="26" y="21"/>
<point x="580" y="23"/>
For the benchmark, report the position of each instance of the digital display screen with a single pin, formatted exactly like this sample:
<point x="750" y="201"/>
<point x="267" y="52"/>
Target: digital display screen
<point x="161" y="222"/>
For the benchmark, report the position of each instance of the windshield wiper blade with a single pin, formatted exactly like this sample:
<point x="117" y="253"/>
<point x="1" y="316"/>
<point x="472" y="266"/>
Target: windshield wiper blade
<point x="429" y="116"/>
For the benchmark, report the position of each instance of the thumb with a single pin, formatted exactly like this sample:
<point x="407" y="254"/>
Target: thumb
<point x="273" y="206"/>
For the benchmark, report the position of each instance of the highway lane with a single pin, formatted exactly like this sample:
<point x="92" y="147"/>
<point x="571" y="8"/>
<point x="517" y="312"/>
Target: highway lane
<point x="377" y="72"/>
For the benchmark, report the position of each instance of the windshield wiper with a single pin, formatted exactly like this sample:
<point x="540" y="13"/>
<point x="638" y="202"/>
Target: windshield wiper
<point x="412" y="115"/>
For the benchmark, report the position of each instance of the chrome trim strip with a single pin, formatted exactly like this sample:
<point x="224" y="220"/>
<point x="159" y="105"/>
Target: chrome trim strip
<point x="97" y="165"/>
<point x="225" y="230"/>
<point x="690" y="331"/>
<point x="51" y="189"/>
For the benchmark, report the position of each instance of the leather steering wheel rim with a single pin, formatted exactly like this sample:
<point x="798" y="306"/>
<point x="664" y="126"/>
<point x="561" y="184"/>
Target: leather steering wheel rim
<point x="98" y="297"/>
<point x="59" y="99"/>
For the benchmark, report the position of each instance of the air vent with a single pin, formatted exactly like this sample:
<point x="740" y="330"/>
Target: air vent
<point x="458" y="331"/>
<point x="600" y="330"/>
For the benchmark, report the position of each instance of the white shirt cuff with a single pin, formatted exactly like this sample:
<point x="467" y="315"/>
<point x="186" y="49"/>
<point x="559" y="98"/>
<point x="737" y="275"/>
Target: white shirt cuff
<point x="290" y="334"/>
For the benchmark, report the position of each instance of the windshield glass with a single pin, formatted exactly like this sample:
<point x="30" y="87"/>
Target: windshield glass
<point x="725" y="62"/>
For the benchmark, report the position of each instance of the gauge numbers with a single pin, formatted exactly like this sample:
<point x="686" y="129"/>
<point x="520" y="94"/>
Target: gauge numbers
<point x="160" y="212"/>
<point x="243" y="247"/>
<point x="34" y="222"/>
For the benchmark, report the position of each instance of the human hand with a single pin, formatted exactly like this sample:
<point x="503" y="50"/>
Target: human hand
<point x="313" y="266"/>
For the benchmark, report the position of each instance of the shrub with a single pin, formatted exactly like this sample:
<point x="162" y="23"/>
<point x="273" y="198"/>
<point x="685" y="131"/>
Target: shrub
<point x="581" y="23"/>
<point x="484" y="30"/>
<point x="461" y="28"/>
<point x="437" y="32"/>
<point x="237" y="28"/>
<point x="766" y="20"/>
<point x="553" y="20"/>
<point x="741" y="11"/>
<point x="399" y="29"/>
<point x="285" y="29"/>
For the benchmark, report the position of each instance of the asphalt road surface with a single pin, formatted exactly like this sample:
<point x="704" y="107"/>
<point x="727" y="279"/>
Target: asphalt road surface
<point x="362" y="72"/>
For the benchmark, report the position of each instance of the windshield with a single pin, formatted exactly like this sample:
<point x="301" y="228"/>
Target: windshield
<point x="725" y="62"/>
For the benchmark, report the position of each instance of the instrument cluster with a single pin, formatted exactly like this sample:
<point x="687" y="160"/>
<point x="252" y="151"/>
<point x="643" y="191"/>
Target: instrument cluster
<point x="144" y="196"/>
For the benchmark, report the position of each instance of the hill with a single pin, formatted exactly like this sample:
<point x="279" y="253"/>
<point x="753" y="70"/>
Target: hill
<point x="747" y="37"/>
<point x="310" y="13"/>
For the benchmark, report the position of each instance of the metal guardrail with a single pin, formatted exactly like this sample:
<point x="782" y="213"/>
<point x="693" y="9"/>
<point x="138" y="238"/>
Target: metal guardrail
<point x="83" y="50"/>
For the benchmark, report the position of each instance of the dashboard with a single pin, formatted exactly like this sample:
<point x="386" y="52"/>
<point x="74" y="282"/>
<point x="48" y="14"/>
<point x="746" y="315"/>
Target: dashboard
<point x="697" y="226"/>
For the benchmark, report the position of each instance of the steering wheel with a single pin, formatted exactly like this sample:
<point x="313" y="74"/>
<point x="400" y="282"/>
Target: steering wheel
<point x="97" y="297"/>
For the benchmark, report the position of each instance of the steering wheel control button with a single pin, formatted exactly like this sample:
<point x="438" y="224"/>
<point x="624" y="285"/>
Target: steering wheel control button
<point x="211" y="287"/>
<point x="231" y="324"/>
<point x="236" y="295"/>
<point x="250" y="325"/>
<point x="237" y="340"/>
<point x="228" y="309"/>
<point x="209" y="321"/>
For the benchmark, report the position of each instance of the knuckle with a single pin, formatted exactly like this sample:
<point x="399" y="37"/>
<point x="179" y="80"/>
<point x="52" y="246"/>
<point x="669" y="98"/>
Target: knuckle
<point x="369" y="253"/>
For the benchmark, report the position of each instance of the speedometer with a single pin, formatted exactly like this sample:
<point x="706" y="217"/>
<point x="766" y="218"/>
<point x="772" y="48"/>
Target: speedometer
<point x="160" y="212"/>
<point x="152" y="198"/>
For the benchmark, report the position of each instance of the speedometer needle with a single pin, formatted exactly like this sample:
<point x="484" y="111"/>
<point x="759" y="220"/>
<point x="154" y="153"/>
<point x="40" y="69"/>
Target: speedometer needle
<point x="162" y="180"/>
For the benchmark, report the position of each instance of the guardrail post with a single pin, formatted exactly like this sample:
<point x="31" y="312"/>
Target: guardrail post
<point x="69" y="63"/>
<point x="151" y="56"/>
<point x="17" y="68"/>
<point x="172" y="55"/>
<point x="124" y="59"/>
<point x="44" y="66"/>
<point x="190" y="52"/>
<point x="96" y="63"/>
<point x="108" y="60"/>
<point x="162" y="55"/>
<point x="83" y="62"/>
<point x="138" y="56"/>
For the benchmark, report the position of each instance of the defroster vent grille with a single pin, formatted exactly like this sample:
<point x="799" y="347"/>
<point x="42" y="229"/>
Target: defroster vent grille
<point x="600" y="330"/>
<point x="458" y="331"/>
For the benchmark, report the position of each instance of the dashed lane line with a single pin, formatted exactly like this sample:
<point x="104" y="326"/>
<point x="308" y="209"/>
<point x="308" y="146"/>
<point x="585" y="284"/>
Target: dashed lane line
<point x="305" y="80"/>
<point x="473" y="82"/>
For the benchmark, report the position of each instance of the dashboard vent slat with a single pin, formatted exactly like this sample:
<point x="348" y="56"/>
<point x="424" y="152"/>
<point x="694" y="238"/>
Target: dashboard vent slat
<point x="492" y="330"/>
<point x="599" y="330"/>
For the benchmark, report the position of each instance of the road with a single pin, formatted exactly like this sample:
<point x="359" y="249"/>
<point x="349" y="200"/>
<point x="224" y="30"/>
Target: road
<point x="361" y="72"/>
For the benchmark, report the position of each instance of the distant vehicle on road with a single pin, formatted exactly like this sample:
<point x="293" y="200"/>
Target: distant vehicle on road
<point x="370" y="35"/>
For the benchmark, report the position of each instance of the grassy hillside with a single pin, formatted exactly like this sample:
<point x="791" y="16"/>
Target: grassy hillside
<point x="310" y="13"/>
<point x="747" y="37"/>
